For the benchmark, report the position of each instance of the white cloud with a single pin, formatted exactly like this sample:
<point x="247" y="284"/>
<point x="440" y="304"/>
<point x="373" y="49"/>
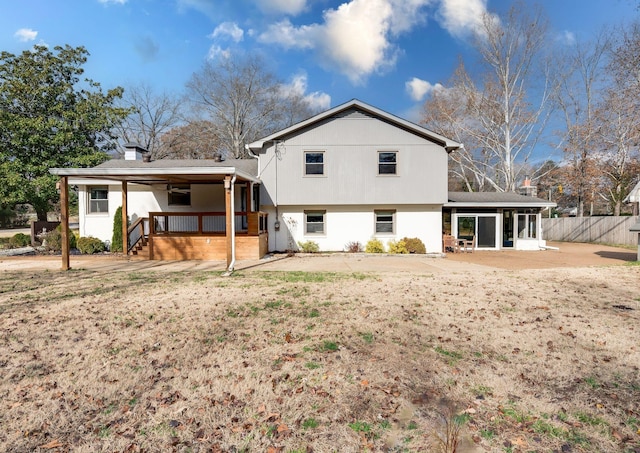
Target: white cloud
<point x="290" y="7"/>
<point x="568" y="38"/>
<point x="356" y="37"/>
<point x="419" y="89"/>
<point x="317" y="100"/>
<point x="230" y="29"/>
<point x="218" y="52"/>
<point x="288" y="36"/>
<point x="25" y="34"/>
<point x="206" y="7"/>
<point x="119" y="2"/>
<point x="460" y="17"/>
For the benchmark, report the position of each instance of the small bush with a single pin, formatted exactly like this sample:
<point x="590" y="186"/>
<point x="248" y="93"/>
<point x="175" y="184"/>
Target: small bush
<point x="309" y="247"/>
<point x="54" y="240"/>
<point x="414" y="245"/>
<point x="374" y="246"/>
<point x="19" y="240"/>
<point x="353" y="247"/>
<point x="116" y="238"/>
<point x="90" y="245"/>
<point x="397" y="247"/>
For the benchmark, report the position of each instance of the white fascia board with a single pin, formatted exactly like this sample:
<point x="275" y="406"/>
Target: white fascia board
<point x="90" y="182"/>
<point x="151" y="172"/>
<point x="544" y="204"/>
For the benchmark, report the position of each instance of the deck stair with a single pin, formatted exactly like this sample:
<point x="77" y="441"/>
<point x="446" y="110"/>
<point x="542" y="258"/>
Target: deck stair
<point x="141" y="249"/>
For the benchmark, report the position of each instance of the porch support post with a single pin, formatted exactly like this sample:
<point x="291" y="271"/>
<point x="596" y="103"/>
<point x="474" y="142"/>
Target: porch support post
<point x="248" y="196"/>
<point x="229" y="217"/>
<point x="64" y="219"/>
<point x="125" y="217"/>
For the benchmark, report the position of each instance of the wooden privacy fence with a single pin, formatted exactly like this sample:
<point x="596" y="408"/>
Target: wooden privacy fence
<point x="605" y="230"/>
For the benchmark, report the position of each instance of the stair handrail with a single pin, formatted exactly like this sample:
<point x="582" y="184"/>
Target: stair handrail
<point x="135" y="232"/>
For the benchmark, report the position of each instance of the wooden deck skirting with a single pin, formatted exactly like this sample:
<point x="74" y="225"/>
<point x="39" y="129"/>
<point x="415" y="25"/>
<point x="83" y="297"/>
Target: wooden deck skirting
<point x="202" y="235"/>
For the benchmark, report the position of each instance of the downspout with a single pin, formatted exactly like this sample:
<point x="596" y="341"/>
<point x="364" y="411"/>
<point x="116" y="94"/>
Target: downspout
<point x="233" y="228"/>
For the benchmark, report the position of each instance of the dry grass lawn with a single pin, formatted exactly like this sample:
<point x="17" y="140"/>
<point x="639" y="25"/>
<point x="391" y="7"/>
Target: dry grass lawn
<point x="544" y="360"/>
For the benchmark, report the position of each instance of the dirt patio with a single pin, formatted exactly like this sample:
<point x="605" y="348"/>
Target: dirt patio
<point x="567" y="255"/>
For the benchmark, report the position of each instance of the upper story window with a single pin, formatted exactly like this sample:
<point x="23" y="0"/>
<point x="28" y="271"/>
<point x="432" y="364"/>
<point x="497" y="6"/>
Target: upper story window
<point x="314" y="222"/>
<point x="98" y="199"/>
<point x="313" y="163"/>
<point x="179" y="194"/>
<point x="385" y="222"/>
<point x="387" y="162"/>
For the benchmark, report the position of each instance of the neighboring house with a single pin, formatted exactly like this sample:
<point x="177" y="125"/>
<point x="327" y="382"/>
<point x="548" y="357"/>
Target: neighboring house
<point x="349" y="174"/>
<point x="634" y="199"/>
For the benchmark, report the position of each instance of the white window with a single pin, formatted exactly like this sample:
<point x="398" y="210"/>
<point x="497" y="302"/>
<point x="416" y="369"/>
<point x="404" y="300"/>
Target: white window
<point x="385" y="222"/>
<point x="314" y="163"/>
<point x="98" y="199"/>
<point x="387" y="162"/>
<point x="314" y="222"/>
<point x="527" y="226"/>
<point x="179" y="194"/>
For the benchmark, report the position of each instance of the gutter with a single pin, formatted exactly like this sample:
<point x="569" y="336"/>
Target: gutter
<point x="233" y="229"/>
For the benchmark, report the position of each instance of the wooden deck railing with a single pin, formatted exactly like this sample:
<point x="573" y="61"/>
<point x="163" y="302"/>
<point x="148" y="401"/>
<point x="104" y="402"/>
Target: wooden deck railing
<point x="205" y="223"/>
<point x="137" y="232"/>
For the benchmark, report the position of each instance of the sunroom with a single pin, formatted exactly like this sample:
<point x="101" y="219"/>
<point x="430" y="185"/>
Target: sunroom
<point x="496" y="220"/>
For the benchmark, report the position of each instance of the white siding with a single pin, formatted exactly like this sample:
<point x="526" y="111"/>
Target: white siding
<point x="344" y="224"/>
<point x="143" y="199"/>
<point x="351" y="147"/>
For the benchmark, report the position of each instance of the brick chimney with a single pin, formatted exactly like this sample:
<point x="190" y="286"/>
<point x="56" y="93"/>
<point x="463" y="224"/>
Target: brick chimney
<point x="527" y="189"/>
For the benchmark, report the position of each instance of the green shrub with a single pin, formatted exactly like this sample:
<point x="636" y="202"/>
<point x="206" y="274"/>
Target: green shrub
<point x="414" y="245"/>
<point x="19" y="240"/>
<point x="90" y="245"/>
<point x="309" y="247"/>
<point x="116" y="238"/>
<point x="374" y="246"/>
<point x="6" y="216"/>
<point x="353" y="247"/>
<point x="397" y="247"/>
<point x="53" y="239"/>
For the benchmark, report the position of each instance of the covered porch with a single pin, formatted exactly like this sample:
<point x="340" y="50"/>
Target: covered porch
<point x="186" y="230"/>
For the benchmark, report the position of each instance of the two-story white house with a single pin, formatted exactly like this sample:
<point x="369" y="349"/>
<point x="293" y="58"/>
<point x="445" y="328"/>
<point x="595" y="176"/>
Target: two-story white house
<point x="349" y="174"/>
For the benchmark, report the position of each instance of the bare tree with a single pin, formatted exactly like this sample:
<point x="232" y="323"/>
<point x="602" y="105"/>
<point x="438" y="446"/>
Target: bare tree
<point x="243" y="100"/>
<point x="152" y="116"/>
<point x="580" y="93"/>
<point x="495" y="114"/>
<point x="195" y="140"/>
<point x="617" y="116"/>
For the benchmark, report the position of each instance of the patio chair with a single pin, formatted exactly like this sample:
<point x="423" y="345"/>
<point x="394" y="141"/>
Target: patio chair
<point x="468" y="245"/>
<point x="450" y="244"/>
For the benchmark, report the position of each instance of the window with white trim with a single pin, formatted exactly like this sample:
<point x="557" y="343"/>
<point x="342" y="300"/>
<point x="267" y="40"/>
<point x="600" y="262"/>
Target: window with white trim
<point x="179" y="194"/>
<point x="98" y="199"/>
<point x="314" y="163"/>
<point x="387" y="162"/>
<point x="527" y="226"/>
<point x="385" y="222"/>
<point x="314" y="222"/>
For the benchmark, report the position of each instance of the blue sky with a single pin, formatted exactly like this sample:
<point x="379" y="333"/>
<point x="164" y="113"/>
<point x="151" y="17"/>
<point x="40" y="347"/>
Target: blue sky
<point x="388" y="53"/>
